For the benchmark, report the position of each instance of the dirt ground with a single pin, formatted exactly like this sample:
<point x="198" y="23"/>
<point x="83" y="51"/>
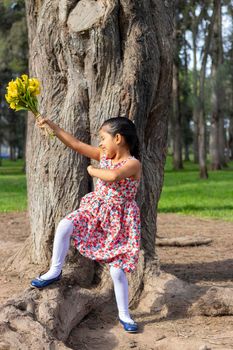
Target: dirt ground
<point x="210" y="265"/>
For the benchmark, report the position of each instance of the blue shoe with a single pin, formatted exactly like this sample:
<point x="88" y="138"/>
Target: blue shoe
<point x="38" y="282"/>
<point x="129" y="327"/>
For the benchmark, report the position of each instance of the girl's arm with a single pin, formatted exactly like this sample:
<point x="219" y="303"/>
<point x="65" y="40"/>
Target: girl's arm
<point x="70" y="141"/>
<point x="131" y="169"/>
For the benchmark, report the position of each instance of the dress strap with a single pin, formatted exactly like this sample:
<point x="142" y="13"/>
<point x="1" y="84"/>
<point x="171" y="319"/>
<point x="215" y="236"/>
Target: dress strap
<point x="125" y="160"/>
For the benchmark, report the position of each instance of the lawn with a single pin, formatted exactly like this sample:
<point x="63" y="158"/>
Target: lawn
<point x="185" y="193"/>
<point x="13" y="190"/>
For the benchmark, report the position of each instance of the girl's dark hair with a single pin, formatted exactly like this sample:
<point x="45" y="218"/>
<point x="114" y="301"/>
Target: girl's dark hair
<point x="126" y="128"/>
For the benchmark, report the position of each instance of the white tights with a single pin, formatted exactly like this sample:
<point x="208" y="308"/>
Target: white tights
<point x="61" y="246"/>
<point x="60" y="249"/>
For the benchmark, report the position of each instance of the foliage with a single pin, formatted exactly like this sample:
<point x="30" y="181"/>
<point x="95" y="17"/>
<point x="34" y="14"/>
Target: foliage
<point x="13" y="62"/>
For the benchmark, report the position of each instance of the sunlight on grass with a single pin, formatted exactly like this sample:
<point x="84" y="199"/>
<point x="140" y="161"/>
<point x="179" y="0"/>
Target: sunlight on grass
<point x="185" y="193"/>
<point x="13" y="190"/>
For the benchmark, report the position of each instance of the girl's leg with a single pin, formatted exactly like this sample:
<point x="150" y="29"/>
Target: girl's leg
<point x="121" y="293"/>
<point x="60" y="248"/>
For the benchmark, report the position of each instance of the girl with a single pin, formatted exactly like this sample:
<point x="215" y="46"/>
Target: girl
<point x="106" y="227"/>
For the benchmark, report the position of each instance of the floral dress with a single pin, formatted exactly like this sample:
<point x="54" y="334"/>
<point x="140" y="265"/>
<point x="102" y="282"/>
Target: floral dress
<point x="107" y="224"/>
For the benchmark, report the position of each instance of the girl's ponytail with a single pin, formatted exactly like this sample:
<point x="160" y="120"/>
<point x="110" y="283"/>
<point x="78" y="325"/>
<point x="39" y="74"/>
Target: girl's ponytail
<point x="135" y="148"/>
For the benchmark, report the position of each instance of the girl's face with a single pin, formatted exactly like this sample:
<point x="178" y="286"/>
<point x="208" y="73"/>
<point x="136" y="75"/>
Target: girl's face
<point x="107" y="142"/>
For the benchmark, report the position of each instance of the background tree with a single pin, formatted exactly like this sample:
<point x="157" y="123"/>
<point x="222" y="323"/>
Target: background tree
<point x="13" y="62"/>
<point x="176" y="121"/>
<point x="217" y="146"/>
<point x="196" y="19"/>
<point x="199" y="95"/>
<point x="228" y="100"/>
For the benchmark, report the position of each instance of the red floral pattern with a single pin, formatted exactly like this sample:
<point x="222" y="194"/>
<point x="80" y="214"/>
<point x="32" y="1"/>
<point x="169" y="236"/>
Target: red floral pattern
<point x="107" y="224"/>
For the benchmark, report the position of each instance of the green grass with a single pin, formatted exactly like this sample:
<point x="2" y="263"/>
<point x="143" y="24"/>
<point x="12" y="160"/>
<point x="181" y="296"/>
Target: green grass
<point x="185" y="193"/>
<point x="13" y="191"/>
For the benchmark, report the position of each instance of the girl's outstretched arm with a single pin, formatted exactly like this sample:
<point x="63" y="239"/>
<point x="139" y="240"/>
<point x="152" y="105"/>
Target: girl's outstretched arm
<point x="72" y="142"/>
<point x="131" y="169"/>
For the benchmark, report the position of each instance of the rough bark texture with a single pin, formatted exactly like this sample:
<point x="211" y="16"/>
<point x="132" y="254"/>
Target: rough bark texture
<point x="95" y="60"/>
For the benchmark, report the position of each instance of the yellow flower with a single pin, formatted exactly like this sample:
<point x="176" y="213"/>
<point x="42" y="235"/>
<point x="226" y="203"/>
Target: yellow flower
<point x="21" y="86"/>
<point x="24" y="77"/>
<point x="12" y="93"/>
<point x="21" y="94"/>
<point x="12" y="105"/>
<point x="34" y="86"/>
<point x="8" y="98"/>
<point x="12" y="85"/>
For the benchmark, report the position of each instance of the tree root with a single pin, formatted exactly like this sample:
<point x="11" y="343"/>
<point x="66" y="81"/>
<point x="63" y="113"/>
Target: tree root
<point x="182" y="241"/>
<point x="44" y="319"/>
<point x="175" y="298"/>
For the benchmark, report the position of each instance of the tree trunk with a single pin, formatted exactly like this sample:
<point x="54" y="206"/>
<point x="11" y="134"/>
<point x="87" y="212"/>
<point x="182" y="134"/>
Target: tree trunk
<point x="222" y="141"/>
<point x="95" y="60"/>
<point x="12" y="153"/>
<point x="230" y="142"/>
<point x="201" y="111"/>
<point x="195" y="98"/>
<point x="196" y="20"/>
<point x="176" y="115"/>
<point x="176" y="122"/>
<point x="217" y="145"/>
<point x="186" y="109"/>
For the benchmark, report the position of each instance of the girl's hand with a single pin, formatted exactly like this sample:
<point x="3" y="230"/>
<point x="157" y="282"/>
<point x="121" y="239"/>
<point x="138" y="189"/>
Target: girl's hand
<point x="41" y="121"/>
<point x="90" y="169"/>
<point x="45" y="125"/>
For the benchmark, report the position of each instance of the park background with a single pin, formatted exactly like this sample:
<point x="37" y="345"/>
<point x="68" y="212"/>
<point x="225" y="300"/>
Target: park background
<point x="183" y="192"/>
<point x="198" y="172"/>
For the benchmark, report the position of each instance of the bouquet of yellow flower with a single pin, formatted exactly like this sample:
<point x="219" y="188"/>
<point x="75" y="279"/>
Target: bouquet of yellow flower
<point x="21" y="95"/>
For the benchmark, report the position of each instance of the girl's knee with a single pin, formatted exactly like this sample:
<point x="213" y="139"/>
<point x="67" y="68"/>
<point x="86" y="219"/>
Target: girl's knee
<point x="116" y="273"/>
<point x="65" y="225"/>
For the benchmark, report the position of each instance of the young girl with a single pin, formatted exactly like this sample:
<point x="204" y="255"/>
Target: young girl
<point x="106" y="227"/>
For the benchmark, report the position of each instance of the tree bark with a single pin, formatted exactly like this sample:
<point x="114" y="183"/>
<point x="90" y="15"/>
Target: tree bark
<point x="176" y="115"/>
<point x="95" y="60"/>
<point x="196" y="20"/>
<point x="200" y="105"/>
<point x="176" y="122"/>
<point x="217" y="137"/>
<point x="230" y="142"/>
<point x="222" y="140"/>
<point x="195" y="91"/>
<point x="185" y="107"/>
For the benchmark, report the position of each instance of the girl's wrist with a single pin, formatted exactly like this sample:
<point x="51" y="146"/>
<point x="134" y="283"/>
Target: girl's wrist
<point x="53" y="126"/>
<point x="90" y="170"/>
